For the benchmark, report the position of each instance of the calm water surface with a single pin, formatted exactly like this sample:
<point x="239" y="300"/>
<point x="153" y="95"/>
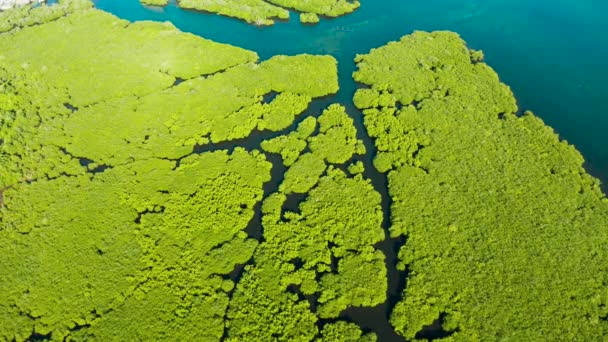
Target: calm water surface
<point x="553" y="54"/>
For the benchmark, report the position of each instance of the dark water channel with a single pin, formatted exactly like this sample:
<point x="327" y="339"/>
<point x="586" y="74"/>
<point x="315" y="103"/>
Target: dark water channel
<point x="552" y="54"/>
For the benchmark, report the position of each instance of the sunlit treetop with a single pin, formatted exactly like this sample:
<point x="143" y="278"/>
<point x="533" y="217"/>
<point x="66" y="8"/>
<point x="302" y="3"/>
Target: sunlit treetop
<point x="134" y="90"/>
<point x="30" y="15"/>
<point x="149" y="239"/>
<point x="265" y="12"/>
<point x="506" y="232"/>
<point x="318" y="256"/>
<point x="113" y="227"/>
<point x="127" y="205"/>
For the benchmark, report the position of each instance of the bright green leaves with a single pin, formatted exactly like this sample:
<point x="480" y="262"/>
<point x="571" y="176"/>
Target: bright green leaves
<point x="155" y="2"/>
<point x="337" y="139"/>
<point x="144" y="64"/>
<point x="426" y="72"/>
<point x="280" y="113"/>
<point x="404" y="138"/>
<point x="352" y="198"/>
<point x="323" y="254"/>
<point x="261" y="309"/>
<point x="329" y="8"/>
<point x="180" y="54"/>
<point x="191" y="237"/>
<point x="313" y="75"/>
<point x="257" y="12"/>
<point x="142" y="111"/>
<point x="109" y="215"/>
<point x="319" y="258"/>
<point x="31" y="15"/>
<point x="344" y="332"/>
<point x="265" y="12"/>
<point x="72" y="250"/>
<point x="160" y="315"/>
<point x="23" y="155"/>
<point x="106" y="213"/>
<point x="335" y="143"/>
<point x="303" y="174"/>
<point x="291" y="145"/>
<point x="157" y="240"/>
<point x="503" y="224"/>
<point x="309" y="18"/>
<point x="221" y="107"/>
<point x="357" y="284"/>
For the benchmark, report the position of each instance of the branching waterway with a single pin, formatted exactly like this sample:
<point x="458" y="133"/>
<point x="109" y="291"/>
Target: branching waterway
<point x="548" y="52"/>
<point x="373" y="319"/>
<point x="552" y="58"/>
<point x="551" y="53"/>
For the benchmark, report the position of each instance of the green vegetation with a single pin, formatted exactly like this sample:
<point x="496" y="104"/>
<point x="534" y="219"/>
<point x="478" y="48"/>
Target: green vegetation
<point x="506" y="235"/>
<point x="344" y="332"/>
<point x="337" y="139"/>
<point x="31" y="15"/>
<point x="356" y="168"/>
<point x="290" y="146"/>
<point x="155" y="2"/>
<point x="258" y="12"/>
<point x="128" y="201"/>
<point x="127" y="105"/>
<point x="319" y="260"/>
<point x="336" y="142"/>
<point x="225" y="106"/>
<point x="264" y="12"/>
<point x="329" y="8"/>
<point x="147" y="240"/>
<point x="110" y="227"/>
<point x="309" y="18"/>
<point x="148" y="56"/>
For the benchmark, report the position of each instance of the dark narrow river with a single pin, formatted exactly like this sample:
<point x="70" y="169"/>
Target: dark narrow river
<point x="551" y="53"/>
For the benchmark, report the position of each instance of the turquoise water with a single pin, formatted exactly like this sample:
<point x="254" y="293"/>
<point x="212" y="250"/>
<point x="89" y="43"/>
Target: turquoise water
<point x="553" y="54"/>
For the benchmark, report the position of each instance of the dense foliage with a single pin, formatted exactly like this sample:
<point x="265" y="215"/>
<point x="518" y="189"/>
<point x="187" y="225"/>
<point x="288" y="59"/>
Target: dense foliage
<point x="309" y="18"/>
<point x="506" y="232"/>
<point x="86" y="255"/>
<point x="329" y="8"/>
<point x="131" y="102"/>
<point x="134" y="205"/>
<point x="264" y="12"/>
<point x="320" y="259"/>
<point x="31" y="15"/>
<point x="111" y="227"/>
<point x="258" y="12"/>
<point x="155" y="2"/>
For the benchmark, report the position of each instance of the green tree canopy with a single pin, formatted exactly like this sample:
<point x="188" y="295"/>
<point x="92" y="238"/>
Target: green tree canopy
<point x="506" y="232"/>
<point x="111" y="227"/>
<point x="265" y="12"/>
<point x="320" y="259"/>
<point x="129" y="202"/>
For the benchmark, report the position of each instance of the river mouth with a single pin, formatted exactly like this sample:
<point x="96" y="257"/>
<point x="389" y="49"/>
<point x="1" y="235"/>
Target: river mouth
<point x="534" y="47"/>
<point x="344" y="38"/>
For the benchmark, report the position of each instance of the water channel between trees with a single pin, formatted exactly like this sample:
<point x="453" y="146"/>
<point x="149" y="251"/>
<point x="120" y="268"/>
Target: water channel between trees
<point x="550" y="53"/>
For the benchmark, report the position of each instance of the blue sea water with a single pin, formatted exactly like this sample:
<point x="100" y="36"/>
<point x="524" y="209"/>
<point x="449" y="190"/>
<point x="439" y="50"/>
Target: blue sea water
<point x="553" y="54"/>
